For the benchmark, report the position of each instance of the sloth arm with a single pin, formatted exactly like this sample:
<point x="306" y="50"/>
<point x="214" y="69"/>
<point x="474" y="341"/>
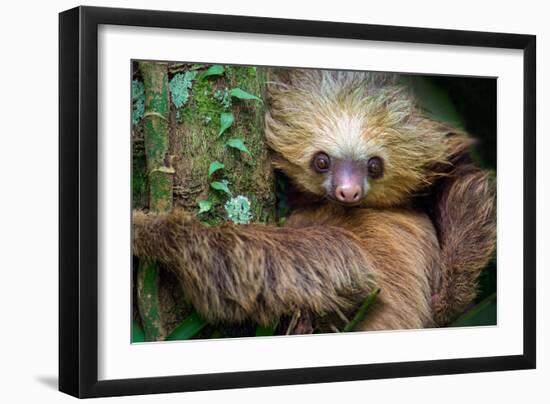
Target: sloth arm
<point x="259" y="272"/>
<point x="325" y="260"/>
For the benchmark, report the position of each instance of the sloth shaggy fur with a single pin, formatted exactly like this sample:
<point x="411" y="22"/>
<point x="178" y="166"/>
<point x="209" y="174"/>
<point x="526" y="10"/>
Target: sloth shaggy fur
<point x="422" y="233"/>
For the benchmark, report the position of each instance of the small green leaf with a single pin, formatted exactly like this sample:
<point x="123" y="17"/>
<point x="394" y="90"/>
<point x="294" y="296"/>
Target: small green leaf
<point x="238" y="144"/>
<point x="204" y="205"/>
<point x="215" y="166"/>
<point x="226" y="120"/>
<point x="137" y="332"/>
<point x="214" y="70"/>
<point x="188" y="328"/>
<point x="221" y="186"/>
<point x="242" y="95"/>
<point x="360" y="314"/>
<point x="484" y="313"/>
<point x="265" y="330"/>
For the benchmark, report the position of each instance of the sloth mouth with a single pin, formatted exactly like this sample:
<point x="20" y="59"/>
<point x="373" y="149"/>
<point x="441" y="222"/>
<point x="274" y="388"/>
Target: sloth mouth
<point x="346" y="204"/>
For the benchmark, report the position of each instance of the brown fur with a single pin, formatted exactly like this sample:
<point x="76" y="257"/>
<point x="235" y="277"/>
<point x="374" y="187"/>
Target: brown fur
<point x="466" y="218"/>
<point x="323" y="260"/>
<point x="328" y="258"/>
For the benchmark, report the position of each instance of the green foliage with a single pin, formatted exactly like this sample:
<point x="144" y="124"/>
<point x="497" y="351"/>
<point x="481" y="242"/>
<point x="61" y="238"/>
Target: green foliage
<point x="180" y="85"/>
<point x="360" y="314"/>
<point x="204" y="205"/>
<point x="188" y="328"/>
<point x="484" y="313"/>
<point x="137" y="332"/>
<point x="214" y="70"/>
<point x="226" y="120"/>
<point x="434" y="100"/>
<point x="202" y="108"/>
<point x="265" y="331"/>
<point x="468" y="103"/>
<point x="222" y="185"/>
<point x="138" y="101"/>
<point x="206" y="119"/>
<point x="238" y="210"/>
<point x="238" y="144"/>
<point x="223" y="97"/>
<point x="148" y="303"/>
<point x="243" y="95"/>
<point x="215" y="166"/>
<point x="140" y="188"/>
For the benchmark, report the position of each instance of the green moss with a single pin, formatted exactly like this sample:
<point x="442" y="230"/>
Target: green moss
<point x="223" y="97"/>
<point x="160" y="191"/>
<point x="199" y="143"/>
<point x="155" y="146"/>
<point x="139" y="178"/>
<point x="148" y="301"/>
<point x="156" y="86"/>
<point x="138" y="101"/>
<point x="155" y="80"/>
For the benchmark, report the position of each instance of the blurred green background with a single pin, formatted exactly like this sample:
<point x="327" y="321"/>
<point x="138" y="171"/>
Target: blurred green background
<point x="471" y="104"/>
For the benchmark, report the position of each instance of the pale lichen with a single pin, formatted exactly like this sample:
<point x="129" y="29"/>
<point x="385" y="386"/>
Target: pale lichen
<point x="238" y="210"/>
<point x="180" y="85"/>
<point x="138" y="101"/>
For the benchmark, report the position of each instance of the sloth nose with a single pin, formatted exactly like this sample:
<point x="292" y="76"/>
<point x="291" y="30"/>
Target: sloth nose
<point x="348" y="193"/>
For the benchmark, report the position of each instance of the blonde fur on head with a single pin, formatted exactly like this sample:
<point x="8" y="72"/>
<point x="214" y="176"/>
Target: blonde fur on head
<point x="354" y="115"/>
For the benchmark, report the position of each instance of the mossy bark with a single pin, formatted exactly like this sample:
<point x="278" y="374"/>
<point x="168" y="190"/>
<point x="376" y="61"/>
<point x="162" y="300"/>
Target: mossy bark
<point x="157" y="108"/>
<point x="173" y="149"/>
<point x="160" y="180"/>
<point x="196" y="143"/>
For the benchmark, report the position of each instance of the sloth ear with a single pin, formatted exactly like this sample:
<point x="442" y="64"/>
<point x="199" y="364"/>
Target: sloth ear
<point x="279" y="81"/>
<point x="459" y="147"/>
<point x="283" y="75"/>
<point x="456" y="149"/>
<point x="279" y="74"/>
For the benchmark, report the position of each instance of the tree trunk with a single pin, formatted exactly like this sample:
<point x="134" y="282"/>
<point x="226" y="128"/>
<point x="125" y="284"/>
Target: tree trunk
<point x="180" y="144"/>
<point x="161" y="178"/>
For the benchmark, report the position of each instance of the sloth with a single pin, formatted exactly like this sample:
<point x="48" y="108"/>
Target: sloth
<point x="384" y="197"/>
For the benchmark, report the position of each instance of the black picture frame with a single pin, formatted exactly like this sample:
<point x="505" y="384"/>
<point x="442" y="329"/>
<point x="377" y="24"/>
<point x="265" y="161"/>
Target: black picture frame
<point x="78" y="201"/>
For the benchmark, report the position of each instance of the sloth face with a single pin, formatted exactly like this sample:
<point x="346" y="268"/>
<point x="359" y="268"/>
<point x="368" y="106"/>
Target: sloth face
<point x="353" y="138"/>
<point x="347" y="180"/>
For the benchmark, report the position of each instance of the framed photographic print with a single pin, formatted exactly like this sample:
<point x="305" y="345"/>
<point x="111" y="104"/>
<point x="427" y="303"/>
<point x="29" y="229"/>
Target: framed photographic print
<point x="250" y="201"/>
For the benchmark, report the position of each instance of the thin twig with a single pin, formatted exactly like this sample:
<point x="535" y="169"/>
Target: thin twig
<point x="293" y="322"/>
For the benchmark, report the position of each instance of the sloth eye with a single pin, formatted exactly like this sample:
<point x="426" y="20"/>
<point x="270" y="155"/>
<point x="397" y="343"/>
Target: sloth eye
<point x="321" y="162"/>
<point x="375" y="167"/>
